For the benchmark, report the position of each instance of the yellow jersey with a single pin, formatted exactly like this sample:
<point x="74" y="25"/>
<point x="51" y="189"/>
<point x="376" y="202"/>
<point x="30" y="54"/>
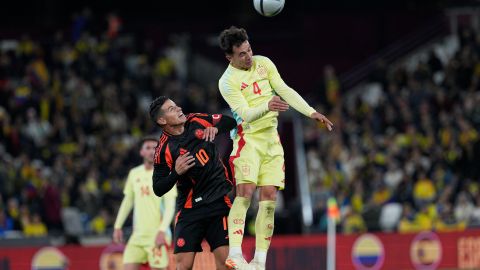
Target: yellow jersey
<point x="248" y="92"/>
<point x="149" y="211"/>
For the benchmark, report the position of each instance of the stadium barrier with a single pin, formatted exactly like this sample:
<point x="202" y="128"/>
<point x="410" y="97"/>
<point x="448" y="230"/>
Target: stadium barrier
<point x="426" y="250"/>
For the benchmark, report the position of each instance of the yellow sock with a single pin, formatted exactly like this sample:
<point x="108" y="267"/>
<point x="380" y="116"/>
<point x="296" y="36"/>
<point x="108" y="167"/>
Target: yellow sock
<point x="236" y="223"/>
<point x="264" y="225"/>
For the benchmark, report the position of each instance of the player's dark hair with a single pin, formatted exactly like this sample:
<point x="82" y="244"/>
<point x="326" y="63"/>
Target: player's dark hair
<point x="155" y="108"/>
<point x="232" y="36"/>
<point x="148" y="138"/>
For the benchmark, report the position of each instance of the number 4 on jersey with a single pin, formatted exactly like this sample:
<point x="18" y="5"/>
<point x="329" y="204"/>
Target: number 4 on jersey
<point x="256" y="89"/>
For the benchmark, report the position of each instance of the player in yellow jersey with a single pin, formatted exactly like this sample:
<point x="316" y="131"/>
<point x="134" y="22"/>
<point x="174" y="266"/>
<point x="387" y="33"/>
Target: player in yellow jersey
<point x="152" y="215"/>
<point x="253" y="88"/>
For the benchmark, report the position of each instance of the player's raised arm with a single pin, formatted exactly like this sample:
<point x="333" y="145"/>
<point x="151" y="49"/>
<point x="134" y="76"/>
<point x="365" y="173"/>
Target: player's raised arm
<point x="223" y="122"/>
<point x="239" y="105"/>
<point x="220" y="124"/>
<point x="292" y="97"/>
<point x="285" y="91"/>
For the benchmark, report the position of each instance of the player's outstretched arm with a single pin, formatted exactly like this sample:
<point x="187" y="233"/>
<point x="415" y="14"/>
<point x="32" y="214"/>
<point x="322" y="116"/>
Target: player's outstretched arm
<point x="221" y="124"/>
<point x="291" y="97"/>
<point x="225" y="124"/>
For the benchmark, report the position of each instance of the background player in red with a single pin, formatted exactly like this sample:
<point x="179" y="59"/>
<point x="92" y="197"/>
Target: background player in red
<point x="186" y="155"/>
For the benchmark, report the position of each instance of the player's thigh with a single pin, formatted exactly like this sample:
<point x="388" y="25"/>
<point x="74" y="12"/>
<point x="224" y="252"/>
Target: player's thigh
<point x="188" y="236"/>
<point x="272" y="169"/>
<point x="134" y="254"/>
<point x="157" y="256"/>
<point x="217" y="231"/>
<point x="245" y="159"/>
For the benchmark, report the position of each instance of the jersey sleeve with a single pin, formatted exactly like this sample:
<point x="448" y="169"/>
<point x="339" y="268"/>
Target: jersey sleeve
<point x="164" y="174"/>
<point x="223" y="123"/>
<point x="239" y="104"/>
<point x="285" y="91"/>
<point x="127" y="203"/>
<point x="128" y="189"/>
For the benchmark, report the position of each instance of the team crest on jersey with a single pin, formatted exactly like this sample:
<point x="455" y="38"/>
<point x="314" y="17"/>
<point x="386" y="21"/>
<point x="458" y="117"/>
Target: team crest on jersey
<point x="245" y="170"/>
<point x="262" y="71"/>
<point x="180" y="242"/>
<point x="199" y="134"/>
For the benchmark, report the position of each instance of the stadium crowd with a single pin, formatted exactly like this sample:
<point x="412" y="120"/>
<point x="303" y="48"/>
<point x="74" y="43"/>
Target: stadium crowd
<point x="407" y="150"/>
<point x="73" y="107"/>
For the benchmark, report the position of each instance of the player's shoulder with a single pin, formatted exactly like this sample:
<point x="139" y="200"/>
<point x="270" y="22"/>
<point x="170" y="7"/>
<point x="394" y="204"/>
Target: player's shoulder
<point x="202" y="119"/>
<point x="226" y="76"/>
<point x="190" y="116"/>
<point x="261" y="59"/>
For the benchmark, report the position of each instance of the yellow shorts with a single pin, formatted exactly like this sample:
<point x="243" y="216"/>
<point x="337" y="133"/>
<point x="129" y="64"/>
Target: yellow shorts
<point x="136" y="253"/>
<point x="258" y="158"/>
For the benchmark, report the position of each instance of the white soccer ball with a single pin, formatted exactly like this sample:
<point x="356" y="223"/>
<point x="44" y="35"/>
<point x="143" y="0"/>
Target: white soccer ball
<point x="268" y="8"/>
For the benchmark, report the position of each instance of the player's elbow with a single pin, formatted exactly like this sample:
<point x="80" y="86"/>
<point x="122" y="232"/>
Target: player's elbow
<point x="228" y="123"/>
<point x="159" y="191"/>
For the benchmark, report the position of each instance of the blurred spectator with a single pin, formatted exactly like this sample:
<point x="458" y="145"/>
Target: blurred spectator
<point x="329" y="89"/>
<point x="475" y="218"/>
<point x="34" y="227"/>
<point x="352" y="222"/>
<point x="463" y="208"/>
<point x="407" y="222"/>
<point x="114" y="25"/>
<point x="99" y="224"/>
<point x="446" y="221"/>
<point x="423" y="219"/>
<point x="6" y="224"/>
<point x="13" y="212"/>
<point x="423" y="191"/>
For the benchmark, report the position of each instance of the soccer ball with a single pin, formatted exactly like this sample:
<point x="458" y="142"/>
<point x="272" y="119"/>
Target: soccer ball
<point x="268" y="8"/>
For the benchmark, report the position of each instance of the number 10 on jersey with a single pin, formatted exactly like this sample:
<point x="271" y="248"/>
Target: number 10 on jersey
<point x="202" y="156"/>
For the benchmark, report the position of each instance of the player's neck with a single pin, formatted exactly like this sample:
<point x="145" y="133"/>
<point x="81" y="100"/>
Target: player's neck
<point x="240" y="68"/>
<point x="175" y="130"/>
<point x="148" y="165"/>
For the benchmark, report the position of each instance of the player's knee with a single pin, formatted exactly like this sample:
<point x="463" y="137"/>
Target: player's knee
<point x="268" y="193"/>
<point x="246" y="190"/>
<point x="183" y="264"/>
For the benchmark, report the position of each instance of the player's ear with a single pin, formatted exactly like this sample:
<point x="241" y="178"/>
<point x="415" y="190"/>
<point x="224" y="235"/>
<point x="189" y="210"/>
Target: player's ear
<point x="229" y="57"/>
<point x="161" y="121"/>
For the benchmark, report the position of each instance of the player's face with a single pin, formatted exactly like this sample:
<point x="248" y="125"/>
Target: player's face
<point x="172" y="115"/>
<point x="242" y="56"/>
<point x="148" y="151"/>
